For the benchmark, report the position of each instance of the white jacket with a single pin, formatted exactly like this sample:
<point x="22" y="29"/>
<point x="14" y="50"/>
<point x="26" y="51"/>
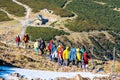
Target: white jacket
<point x="36" y="44"/>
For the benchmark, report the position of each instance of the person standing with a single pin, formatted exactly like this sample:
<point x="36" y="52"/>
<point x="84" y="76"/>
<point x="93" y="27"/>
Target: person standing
<point x="42" y="45"/>
<point x="26" y="40"/>
<point x="59" y="52"/>
<point x="72" y="56"/>
<point x="86" y="58"/>
<point x="78" y="58"/>
<point x="50" y="45"/>
<point x="36" y="45"/>
<point x="17" y="39"/>
<point x="66" y="56"/>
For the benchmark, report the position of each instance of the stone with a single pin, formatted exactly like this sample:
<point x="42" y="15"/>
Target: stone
<point x="15" y="74"/>
<point x="77" y="77"/>
<point x="2" y="79"/>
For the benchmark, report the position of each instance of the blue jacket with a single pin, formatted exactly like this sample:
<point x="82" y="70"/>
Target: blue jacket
<point x="72" y="54"/>
<point x="82" y="51"/>
<point x="53" y="48"/>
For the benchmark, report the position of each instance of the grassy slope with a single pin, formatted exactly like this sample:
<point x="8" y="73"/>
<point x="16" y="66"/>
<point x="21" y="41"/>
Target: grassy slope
<point x="55" y="5"/>
<point x="93" y="16"/>
<point x="4" y="17"/>
<point x="113" y="3"/>
<point x="46" y="33"/>
<point x="12" y="7"/>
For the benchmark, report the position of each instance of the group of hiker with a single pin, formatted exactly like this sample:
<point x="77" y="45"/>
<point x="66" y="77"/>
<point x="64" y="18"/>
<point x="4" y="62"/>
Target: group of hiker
<point x="60" y="53"/>
<point x="64" y="55"/>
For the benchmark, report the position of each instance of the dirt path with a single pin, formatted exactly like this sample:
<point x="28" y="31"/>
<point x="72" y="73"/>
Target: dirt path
<point x="10" y="15"/>
<point x="68" y="1"/>
<point x="21" y="21"/>
<point x="101" y="3"/>
<point x="24" y="22"/>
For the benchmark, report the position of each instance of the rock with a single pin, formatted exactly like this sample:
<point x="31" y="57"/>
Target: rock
<point x="61" y="78"/>
<point x="15" y="74"/>
<point x="100" y="78"/>
<point x="23" y="79"/>
<point x="37" y="79"/>
<point x="2" y="79"/>
<point x="86" y="79"/>
<point x="78" y="77"/>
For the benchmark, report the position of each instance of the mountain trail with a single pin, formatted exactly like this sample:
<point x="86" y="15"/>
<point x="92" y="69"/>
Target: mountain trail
<point x="68" y="1"/>
<point x="24" y="22"/>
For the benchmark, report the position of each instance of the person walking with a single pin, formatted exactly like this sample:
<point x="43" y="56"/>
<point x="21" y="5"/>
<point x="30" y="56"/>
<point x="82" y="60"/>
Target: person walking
<point x="86" y="58"/>
<point x="53" y="52"/>
<point x="72" y="56"/>
<point x="42" y="45"/>
<point x="59" y="52"/>
<point x="78" y="58"/>
<point x="17" y="39"/>
<point x="36" y="45"/>
<point x="26" y="40"/>
<point x="66" y="56"/>
<point x="50" y="46"/>
<point x="82" y="51"/>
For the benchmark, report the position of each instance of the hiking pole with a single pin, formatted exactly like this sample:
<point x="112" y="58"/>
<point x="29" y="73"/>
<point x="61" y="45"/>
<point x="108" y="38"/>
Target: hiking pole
<point x="92" y="59"/>
<point x="113" y="65"/>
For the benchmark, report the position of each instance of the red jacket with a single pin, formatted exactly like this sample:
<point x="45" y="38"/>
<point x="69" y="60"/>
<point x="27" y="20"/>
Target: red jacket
<point x="86" y="57"/>
<point x="50" y="45"/>
<point x="17" y="39"/>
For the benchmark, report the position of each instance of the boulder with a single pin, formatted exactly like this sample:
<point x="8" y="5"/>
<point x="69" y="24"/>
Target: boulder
<point x="2" y="79"/>
<point x="78" y="77"/>
<point x="15" y="74"/>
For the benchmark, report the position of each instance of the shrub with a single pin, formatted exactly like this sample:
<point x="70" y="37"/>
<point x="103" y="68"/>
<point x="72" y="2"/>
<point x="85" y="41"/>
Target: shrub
<point x="12" y="7"/>
<point x="93" y="16"/>
<point x="4" y="17"/>
<point x="46" y="33"/>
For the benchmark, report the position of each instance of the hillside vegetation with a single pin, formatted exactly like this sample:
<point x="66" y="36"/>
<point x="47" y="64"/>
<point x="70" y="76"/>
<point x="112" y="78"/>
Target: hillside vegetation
<point x="4" y="17"/>
<point x="112" y="3"/>
<point x="43" y="32"/>
<point x="55" y="5"/>
<point x="93" y="16"/>
<point x="12" y="8"/>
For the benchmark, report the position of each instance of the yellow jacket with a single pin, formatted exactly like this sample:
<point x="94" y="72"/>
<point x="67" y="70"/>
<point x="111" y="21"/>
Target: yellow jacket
<point x="66" y="53"/>
<point x="78" y="54"/>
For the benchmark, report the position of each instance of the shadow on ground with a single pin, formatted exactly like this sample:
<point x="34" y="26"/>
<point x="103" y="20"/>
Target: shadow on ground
<point x="5" y="68"/>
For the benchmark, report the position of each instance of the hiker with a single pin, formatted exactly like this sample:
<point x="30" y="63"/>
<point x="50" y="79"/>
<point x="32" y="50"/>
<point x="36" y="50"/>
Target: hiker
<point x="50" y="46"/>
<point x="78" y="58"/>
<point x="26" y="39"/>
<point x="65" y="56"/>
<point x="72" y="56"/>
<point x="53" y="52"/>
<point x="59" y="52"/>
<point x="86" y="58"/>
<point x="42" y="45"/>
<point x="17" y="39"/>
<point x="82" y="51"/>
<point x="36" y="46"/>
